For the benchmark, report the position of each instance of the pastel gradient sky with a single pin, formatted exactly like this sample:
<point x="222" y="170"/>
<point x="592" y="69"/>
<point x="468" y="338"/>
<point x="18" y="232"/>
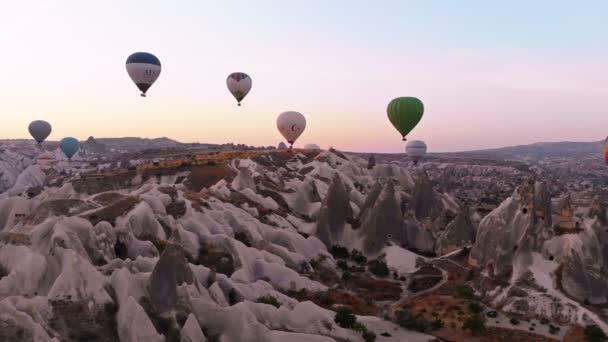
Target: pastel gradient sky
<point x="491" y="73"/>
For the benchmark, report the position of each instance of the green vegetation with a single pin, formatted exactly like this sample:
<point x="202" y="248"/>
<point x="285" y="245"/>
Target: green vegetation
<point x="514" y="321"/>
<point x="339" y="252"/>
<point x="475" y="308"/>
<point x="437" y="324"/>
<point x="379" y="268"/>
<point x="406" y="319"/>
<point x="343" y="265"/>
<point x="553" y="330"/>
<point x="593" y="333"/>
<point x="475" y="324"/>
<point x="232" y="297"/>
<point x="358" y="257"/>
<point x="345" y="318"/>
<point x="465" y="292"/>
<point x="270" y="300"/>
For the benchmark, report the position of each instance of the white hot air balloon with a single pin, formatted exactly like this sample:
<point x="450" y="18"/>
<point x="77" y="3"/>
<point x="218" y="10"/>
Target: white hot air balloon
<point x="415" y="149"/>
<point x="239" y="85"/>
<point x="312" y="147"/>
<point x="291" y="125"/>
<point x="143" y="68"/>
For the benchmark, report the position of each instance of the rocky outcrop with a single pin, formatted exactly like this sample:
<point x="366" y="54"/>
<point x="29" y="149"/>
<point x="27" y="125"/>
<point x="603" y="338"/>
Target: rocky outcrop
<point x="383" y="221"/>
<point x="171" y="271"/>
<point x="458" y="233"/>
<point x="501" y="233"/>
<point x="423" y="197"/>
<point x="334" y="213"/>
<point x="371" y="162"/>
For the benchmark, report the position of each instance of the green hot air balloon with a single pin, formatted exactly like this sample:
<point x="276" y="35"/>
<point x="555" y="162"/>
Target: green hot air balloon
<point x="405" y="113"/>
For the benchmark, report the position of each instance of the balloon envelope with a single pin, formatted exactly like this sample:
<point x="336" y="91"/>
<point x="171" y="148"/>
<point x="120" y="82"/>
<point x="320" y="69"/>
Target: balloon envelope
<point x="239" y="84"/>
<point x="40" y="130"/>
<point x="144" y="69"/>
<point x="291" y="125"/>
<point x="69" y="146"/>
<point x="405" y="113"/>
<point x="415" y="149"/>
<point x="312" y="147"/>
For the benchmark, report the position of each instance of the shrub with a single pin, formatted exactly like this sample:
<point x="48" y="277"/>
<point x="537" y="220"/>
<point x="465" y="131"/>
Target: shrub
<point x="343" y="265"/>
<point x="232" y="297"/>
<point x="243" y="237"/>
<point x="593" y="333"/>
<point x="437" y="324"/>
<point x="369" y="336"/>
<point x="553" y="330"/>
<point x="358" y="257"/>
<point x="379" y="268"/>
<point x="465" y="292"/>
<point x="475" y="324"/>
<point x="514" y="321"/>
<point x="270" y="300"/>
<point x="345" y="318"/>
<point x="339" y="252"/>
<point x="407" y="320"/>
<point x="475" y="308"/>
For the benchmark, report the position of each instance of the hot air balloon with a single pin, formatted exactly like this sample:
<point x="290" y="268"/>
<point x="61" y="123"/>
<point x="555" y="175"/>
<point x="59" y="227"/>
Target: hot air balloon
<point x="144" y="69"/>
<point x="405" y="113"/>
<point x="291" y="125"/>
<point x="69" y="146"/>
<point x="415" y="149"/>
<point x="239" y="84"/>
<point x="40" y="130"/>
<point x="606" y="150"/>
<point x="312" y="147"/>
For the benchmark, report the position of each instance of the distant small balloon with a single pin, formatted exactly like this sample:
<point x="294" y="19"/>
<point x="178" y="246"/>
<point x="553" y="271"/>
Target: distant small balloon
<point x="239" y="84"/>
<point x="39" y="130"/>
<point x="69" y="146"/>
<point x="291" y="125"/>
<point x="415" y="149"/>
<point x="144" y="69"/>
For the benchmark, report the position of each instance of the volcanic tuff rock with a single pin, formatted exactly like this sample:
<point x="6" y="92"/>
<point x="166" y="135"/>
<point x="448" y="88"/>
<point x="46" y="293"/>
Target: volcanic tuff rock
<point x="458" y="233"/>
<point x="260" y="225"/>
<point x="383" y="221"/>
<point x="170" y="272"/>
<point x="335" y="211"/>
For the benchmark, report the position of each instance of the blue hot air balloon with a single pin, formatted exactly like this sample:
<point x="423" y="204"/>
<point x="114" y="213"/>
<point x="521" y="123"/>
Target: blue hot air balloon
<point x="144" y="69"/>
<point x="69" y="146"/>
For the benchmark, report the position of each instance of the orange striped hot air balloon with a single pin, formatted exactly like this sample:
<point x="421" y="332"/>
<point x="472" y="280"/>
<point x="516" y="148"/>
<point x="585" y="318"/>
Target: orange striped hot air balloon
<point x="606" y="150"/>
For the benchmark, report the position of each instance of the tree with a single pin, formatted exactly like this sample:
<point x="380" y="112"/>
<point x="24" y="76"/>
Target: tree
<point x="593" y="333"/>
<point x="379" y="268"/>
<point x="475" y="324"/>
<point x="339" y="252"/>
<point x="345" y="318"/>
<point x="270" y="300"/>
<point x="232" y="297"/>
<point x="475" y="308"/>
<point x="409" y="321"/>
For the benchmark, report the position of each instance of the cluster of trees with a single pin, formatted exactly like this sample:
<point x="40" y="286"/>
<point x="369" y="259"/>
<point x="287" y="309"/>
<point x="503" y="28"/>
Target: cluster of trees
<point x="347" y="320"/>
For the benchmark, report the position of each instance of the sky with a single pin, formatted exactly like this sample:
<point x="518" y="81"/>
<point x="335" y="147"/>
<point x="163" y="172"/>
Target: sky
<point x="490" y="73"/>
